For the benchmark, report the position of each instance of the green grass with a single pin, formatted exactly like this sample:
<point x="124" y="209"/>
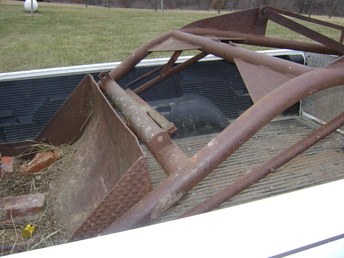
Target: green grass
<point x="274" y="29"/>
<point x="64" y="35"/>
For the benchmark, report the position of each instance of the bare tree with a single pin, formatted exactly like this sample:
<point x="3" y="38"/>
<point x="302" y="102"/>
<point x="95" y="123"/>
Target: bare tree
<point x="218" y="5"/>
<point x="333" y="7"/>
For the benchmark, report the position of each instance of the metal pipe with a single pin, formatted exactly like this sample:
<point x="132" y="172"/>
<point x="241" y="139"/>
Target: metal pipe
<point x="157" y="140"/>
<point x="267" y="168"/>
<point x="164" y="68"/>
<point x="230" y="52"/>
<point x="155" y="115"/>
<point x="169" y="73"/>
<point x="303" y="30"/>
<point x="129" y="63"/>
<point x="304" y="18"/>
<point x="144" y="76"/>
<point x="264" y="41"/>
<point x="226" y="143"/>
<point x="171" y="62"/>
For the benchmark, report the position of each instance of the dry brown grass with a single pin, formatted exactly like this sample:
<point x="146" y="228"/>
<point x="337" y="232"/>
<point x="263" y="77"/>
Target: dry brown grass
<point x="47" y="232"/>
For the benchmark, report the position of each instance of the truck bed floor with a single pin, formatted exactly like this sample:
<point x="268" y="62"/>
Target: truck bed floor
<point x="322" y="163"/>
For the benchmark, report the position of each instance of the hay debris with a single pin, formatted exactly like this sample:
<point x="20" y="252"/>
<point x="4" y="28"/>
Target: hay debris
<point x="47" y="232"/>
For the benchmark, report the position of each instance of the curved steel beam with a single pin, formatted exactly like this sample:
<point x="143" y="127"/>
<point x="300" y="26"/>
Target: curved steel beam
<point x="226" y="143"/>
<point x="230" y="52"/>
<point x="270" y="166"/>
<point x="129" y="63"/>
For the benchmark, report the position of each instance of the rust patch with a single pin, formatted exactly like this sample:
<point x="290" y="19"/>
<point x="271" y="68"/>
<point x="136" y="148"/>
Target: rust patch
<point x="165" y="203"/>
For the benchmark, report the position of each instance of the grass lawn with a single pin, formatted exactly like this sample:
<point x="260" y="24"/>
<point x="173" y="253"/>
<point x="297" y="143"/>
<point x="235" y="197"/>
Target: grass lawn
<point x="63" y="35"/>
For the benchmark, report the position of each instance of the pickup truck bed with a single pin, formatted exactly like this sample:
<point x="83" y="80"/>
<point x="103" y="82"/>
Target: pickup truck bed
<point x="225" y="97"/>
<point x="320" y="164"/>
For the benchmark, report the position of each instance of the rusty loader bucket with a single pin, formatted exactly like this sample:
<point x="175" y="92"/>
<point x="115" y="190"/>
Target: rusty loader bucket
<point x="107" y="188"/>
<point x="108" y="168"/>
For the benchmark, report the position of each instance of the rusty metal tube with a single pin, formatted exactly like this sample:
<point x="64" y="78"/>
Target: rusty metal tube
<point x="131" y="61"/>
<point x="265" y="169"/>
<point x="144" y="76"/>
<point x="169" y="73"/>
<point x="304" y="18"/>
<point x="229" y="52"/>
<point x="155" y="115"/>
<point x="130" y="110"/>
<point x="264" y="41"/>
<point x="305" y="31"/>
<point x="226" y="143"/>
<point x="157" y="140"/>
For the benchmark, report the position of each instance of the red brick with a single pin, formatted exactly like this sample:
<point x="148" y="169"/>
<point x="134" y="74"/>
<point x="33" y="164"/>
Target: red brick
<point x="39" y="162"/>
<point x="56" y="155"/>
<point x="8" y="165"/>
<point x="20" y="207"/>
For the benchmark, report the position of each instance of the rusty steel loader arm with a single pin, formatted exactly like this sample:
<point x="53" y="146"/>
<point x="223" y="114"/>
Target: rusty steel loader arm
<point x="274" y="85"/>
